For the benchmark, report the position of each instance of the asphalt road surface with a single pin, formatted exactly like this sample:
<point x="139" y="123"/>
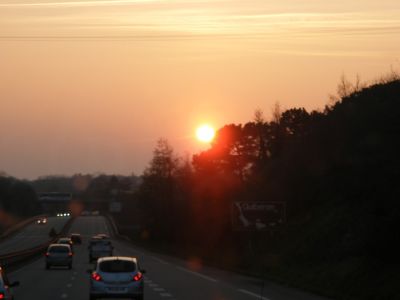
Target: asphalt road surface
<point x="167" y="278"/>
<point x="32" y="235"/>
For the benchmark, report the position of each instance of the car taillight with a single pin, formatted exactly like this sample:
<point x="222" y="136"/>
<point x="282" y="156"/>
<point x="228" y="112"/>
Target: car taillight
<point x="47" y="254"/>
<point x="96" y="276"/>
<point x="70" y="254"/>
<point x="2" y="296"/>
<point x="138" y="276"/>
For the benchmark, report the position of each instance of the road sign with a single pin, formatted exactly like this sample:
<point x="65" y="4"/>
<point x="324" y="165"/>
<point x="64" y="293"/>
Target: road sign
<point x="257" y="215"/>
<point x="115" y="207"/>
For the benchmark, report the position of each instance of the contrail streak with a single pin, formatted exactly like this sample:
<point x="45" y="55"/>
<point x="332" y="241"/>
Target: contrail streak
<point x="78" y="3"/>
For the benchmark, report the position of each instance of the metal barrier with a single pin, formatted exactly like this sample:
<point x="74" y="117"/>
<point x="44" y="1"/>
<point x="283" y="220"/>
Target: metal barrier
<point x="114" y="228"/>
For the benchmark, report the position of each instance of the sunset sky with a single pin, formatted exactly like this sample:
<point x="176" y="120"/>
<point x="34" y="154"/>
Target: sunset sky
<point x="89" y="86"/>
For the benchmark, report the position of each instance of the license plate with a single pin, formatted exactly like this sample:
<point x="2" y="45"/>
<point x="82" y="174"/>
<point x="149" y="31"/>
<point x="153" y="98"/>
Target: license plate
<point x="116" y="289"/>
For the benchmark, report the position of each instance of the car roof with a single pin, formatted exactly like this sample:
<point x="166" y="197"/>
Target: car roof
<point x="59" y="245"/>
<point x="64" y="239"/>
<point x="111" y="258"/>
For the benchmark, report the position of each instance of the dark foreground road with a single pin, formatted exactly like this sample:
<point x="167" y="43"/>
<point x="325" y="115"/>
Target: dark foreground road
<point x="166" y="278"/>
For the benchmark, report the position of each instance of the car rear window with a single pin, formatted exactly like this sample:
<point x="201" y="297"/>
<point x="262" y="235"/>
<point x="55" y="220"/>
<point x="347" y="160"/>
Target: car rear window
<point x="59" y="249"/>
<point x="100" y="243"/>
<point x="116" y="266"/>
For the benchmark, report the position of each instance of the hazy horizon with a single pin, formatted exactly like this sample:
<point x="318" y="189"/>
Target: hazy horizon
<point x="90" y="86"/>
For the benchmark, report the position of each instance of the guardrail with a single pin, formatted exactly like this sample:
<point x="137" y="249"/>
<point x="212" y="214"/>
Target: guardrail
<point x="14" y="259"/>
<point x="114" y="228"/>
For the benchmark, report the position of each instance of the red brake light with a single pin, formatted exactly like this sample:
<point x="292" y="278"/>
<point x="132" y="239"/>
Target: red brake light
<point x="47" y="255"/>
<point x="70" y="254"/>
<point x="1" y="296"/>
<point x="138" y="276"/>
<point x="96" y="276"/>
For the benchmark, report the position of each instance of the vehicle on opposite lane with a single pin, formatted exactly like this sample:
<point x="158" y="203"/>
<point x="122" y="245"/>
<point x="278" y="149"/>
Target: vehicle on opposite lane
<point x="116" y="277"/>
<point x="42" y="221"/>
<point x="6" y="285"/>
<point x="59" y="255"/>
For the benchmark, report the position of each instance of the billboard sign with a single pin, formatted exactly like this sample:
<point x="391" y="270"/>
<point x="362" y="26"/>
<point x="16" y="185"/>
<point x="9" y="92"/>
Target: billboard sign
<point x="257" y="215"/>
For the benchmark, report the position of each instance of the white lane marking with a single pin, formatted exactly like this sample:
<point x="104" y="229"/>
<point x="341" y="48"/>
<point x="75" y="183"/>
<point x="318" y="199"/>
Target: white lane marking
<point x="165" y="295"/>
<point x="160" y="260"/>
<point x="198" y="274"/>
<point x="69" y="285"/>
<point x="159" y="290"/>
<point x="64" y="296"/>
<point x="253" y="294"/>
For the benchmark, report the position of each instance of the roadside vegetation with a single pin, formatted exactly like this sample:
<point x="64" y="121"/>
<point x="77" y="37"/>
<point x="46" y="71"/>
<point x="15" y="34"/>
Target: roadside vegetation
<point x="18" y="200"/>
<point x="337" y="170"/>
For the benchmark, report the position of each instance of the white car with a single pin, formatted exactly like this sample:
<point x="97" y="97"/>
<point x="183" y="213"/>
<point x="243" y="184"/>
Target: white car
<point x="116" y="277"/>
<point x="99" y="248"/>
<point x="5" y="286"/>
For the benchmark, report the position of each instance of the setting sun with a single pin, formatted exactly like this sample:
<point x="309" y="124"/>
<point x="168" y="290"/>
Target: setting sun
<point x="205" y="133"/>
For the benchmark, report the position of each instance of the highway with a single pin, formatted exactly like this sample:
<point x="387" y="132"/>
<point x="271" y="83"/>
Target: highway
<point x="166" y="278"/>
<point x="31" y="235"/>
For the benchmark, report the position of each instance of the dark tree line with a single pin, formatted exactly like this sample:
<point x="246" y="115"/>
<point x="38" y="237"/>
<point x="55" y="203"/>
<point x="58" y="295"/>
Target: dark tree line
<point x="18" y="200"/>
<point x="337" y="170"/>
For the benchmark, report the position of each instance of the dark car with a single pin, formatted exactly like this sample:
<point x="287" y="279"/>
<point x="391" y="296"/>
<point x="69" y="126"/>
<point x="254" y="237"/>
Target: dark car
<point x="42" y="221"/>
<point x="99" y="248"/>
<point x="59" y="255"/>
<point x="66" y="241"/>
<point x="76" y="238"/>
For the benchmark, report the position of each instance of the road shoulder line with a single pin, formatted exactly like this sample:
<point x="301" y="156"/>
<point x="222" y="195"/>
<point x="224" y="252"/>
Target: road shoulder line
<point x="253" y="294"/>
<point x="198" y="274"/>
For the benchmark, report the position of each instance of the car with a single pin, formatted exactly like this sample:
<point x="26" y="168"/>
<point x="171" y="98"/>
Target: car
<point x="76" y="238"/>
<point x="41" y="221"/>
<point x="59" y="255"/>
<point x="102" y="236"/>
<point x="6" y="285"/>
<point x="66" y="240"/>
<point x="99" y="248"/>
<point x="116" y="277"/>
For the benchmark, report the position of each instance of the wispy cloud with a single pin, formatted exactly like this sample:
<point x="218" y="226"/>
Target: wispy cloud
<point x="187" y="19"/>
